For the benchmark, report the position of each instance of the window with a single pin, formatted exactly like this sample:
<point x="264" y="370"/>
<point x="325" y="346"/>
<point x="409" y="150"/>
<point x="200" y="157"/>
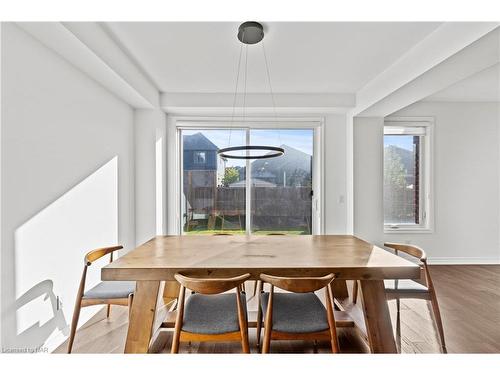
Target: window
<point x="199" y="157"/>
<point x="257" y="196"/>
<point x="406" y="176"/>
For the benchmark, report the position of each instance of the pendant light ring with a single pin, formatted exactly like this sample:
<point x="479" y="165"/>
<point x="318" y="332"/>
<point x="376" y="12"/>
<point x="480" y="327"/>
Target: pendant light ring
<point x="275" y="152"/>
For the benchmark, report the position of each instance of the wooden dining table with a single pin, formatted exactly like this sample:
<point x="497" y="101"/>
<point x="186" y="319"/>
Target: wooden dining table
<point x="348" y="257"/>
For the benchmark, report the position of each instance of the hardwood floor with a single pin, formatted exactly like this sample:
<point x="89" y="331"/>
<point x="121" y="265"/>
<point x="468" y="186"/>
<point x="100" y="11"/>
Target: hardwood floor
<point x="469" y="298"/>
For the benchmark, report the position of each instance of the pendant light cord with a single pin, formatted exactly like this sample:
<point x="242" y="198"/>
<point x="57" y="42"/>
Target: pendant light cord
<point x="235" y="95"/>
<point x="245" y="85"/>
<point x="271" y="90"/>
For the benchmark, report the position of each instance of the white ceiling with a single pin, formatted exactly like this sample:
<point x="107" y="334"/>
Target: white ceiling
<point x="332" y="57"/>
<point x="481" y="87"/>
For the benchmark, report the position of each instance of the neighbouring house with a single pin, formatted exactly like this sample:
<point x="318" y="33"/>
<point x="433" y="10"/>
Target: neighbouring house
<point x="292" y="169"/>
<point x="200" y="155"/>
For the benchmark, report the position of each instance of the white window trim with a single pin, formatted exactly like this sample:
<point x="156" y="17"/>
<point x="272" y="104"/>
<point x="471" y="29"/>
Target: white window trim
<point x="426" y="171"/>
<point x="174" y="158"/>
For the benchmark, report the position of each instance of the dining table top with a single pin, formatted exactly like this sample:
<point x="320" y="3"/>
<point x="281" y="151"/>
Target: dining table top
<point x="347" y="256"/>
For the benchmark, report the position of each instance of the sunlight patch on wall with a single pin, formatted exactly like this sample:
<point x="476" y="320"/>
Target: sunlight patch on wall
<point x="49" y="254"/>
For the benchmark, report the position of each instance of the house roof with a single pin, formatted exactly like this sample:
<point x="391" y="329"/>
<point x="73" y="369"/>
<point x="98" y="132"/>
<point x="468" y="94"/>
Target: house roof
<point x="255" y="182"/>
<point x="198" y="141"/>
<point x="290" y="162"/>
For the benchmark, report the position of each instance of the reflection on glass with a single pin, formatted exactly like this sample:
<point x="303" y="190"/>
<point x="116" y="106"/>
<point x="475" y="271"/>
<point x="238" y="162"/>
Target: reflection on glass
<point x="213" y="199"/>
<point x="401" y="179"/>
<point x="281" y="187"/>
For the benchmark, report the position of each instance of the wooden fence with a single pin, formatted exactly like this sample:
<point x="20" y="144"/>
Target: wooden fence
<point x="268" y="201"/>
<point x="271" y="206"/>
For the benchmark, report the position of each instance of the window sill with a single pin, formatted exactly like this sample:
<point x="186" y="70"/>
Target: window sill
<point x="417" y="230"/>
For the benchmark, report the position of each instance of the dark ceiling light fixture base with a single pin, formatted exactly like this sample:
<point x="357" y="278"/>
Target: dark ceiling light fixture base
<point x="250" y="32"/>
<point x="275" y="152"/>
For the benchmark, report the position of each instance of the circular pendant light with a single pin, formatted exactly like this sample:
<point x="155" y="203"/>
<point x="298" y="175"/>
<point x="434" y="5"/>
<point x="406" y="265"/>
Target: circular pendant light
<point x="250" y="32"/>
<point x="271" y="152"/>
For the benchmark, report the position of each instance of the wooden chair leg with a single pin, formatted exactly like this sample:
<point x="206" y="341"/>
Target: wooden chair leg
<point x="259" y="314"/>
<point x="108" y="311"/>
<point x="398" y="326"/>
<point x="245" y="345"/>
<point x="178" y="322"/>
<point x="438" y="320"/>
<point x="267" y="338"/>
<point x="74" y="323"/>
<point x="268" y="325"/>
<point x="242" y="320"/>
<point x="331" y="319"/>
<point x="130" y="300"/>
<point x="355" y="291"/>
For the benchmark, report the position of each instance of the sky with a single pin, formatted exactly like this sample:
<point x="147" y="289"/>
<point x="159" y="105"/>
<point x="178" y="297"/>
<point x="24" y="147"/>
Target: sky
<point x="300" y="139"/>
<point x="402" y="141"/>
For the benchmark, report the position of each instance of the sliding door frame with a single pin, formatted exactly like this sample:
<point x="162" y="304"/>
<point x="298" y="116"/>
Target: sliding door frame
<point x="176" y="124"/>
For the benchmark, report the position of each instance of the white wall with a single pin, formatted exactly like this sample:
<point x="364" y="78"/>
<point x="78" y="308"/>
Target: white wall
<point x="67" y="178"/>
<point x="367" y="176"/>
<point x="335" y="175"/>
<point x="150" y="189"/>
<point x="466" y="182"/>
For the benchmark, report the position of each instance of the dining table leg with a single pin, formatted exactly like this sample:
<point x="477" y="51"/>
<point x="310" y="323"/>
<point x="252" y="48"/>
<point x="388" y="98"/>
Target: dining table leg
<point x="142" y="316"/>
<point x="340" y="290"/>
<point x="377" y="317"/>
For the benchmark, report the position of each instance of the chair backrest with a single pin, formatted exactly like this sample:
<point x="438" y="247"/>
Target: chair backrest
<point x="298" y="284"/>
<point x="222" y="234"/>
<point x="211" y="285"/>
<point x="93" y="255"/>
<point x="411" y="250"/>
<point x="302" y="285"/>
<point x="415" y="252"/>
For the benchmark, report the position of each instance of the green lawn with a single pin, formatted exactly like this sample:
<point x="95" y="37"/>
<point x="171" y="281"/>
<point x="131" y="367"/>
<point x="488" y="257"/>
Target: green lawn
<point x="233" y="225"/>
<point x="242" y="232"/>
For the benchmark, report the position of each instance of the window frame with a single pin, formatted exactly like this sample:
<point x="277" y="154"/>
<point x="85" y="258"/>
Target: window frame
<point x="178" y="123"/>
<point x="426" y="195"/>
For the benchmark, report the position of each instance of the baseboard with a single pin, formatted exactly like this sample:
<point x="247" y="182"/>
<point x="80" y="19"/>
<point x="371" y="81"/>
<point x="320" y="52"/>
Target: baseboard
<point x="464" y="260"/>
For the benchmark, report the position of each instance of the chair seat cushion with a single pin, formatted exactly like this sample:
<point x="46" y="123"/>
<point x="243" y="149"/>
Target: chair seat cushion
<point x="212" y="314"/>
<point x="110" y="290"/>
<point x="409" y="286"/>
<point x="296" y="312"/>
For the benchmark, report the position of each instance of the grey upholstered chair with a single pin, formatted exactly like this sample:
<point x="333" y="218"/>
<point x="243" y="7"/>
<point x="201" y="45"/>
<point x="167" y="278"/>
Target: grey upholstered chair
<point x="105" y="293"/>
<point x="209" y="315"/>
<point x="299" y="315"/>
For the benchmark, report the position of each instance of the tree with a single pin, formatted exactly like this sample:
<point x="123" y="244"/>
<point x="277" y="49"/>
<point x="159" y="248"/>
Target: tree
<point x="394" y="169"/>
<point x="394" y="186"/>
<point x="231" y="175"/>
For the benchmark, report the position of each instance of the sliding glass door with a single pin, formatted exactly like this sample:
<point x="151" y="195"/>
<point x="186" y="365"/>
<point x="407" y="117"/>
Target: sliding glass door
<point x="260" y="196"/>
